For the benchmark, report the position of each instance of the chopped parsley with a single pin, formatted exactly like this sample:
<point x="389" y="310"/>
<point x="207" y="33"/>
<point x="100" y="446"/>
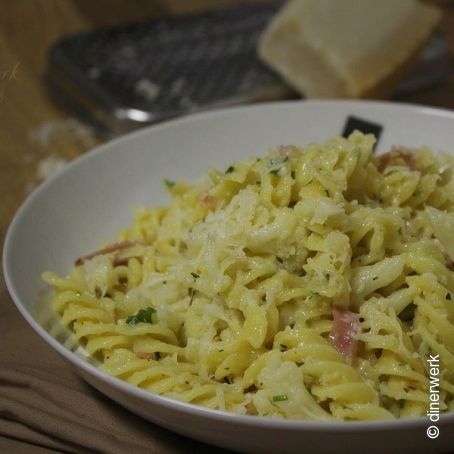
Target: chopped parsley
<point x="230" y="169"/>
<point x="280" y="398"/>
<point x="279" y="160"/>
<point x="195" y="275"/>
<point x="143" y="316"/>
<point x="276" y="164"/>
<point x="169" y="184"/>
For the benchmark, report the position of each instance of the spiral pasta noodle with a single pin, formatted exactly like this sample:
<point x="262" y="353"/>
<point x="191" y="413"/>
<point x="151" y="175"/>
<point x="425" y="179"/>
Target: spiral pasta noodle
<point x="312" y="283"/>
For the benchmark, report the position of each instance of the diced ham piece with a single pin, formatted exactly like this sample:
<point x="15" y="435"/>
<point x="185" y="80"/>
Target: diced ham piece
<point x="208" y="201"/>
<point x="408" y="157"/>
<point x="144" y="355"/>
<point x="288" y="150"/>
<point x="107" y="250"/>
<point x="342" y="336"/>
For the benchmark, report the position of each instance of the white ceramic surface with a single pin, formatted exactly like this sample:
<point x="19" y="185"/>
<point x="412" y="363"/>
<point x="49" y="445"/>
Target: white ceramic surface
<point x="91" y="199"/>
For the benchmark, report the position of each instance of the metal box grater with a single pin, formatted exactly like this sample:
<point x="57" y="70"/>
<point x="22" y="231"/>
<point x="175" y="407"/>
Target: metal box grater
<point x="123" y="77"/>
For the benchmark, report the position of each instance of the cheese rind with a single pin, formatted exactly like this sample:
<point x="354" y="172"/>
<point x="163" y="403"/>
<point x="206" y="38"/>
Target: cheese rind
<point x="346" y="48"/>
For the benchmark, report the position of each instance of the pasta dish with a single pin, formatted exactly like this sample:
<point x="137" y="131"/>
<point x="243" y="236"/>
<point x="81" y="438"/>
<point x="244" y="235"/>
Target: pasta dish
<point x="313" y="283"/>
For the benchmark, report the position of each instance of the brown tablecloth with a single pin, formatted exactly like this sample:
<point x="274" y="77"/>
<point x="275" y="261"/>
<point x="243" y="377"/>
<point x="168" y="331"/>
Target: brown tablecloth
<point x="46" y="407"/>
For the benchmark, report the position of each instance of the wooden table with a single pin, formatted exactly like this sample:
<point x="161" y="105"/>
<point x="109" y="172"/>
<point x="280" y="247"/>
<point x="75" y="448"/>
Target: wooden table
<point x="31" y="124"/>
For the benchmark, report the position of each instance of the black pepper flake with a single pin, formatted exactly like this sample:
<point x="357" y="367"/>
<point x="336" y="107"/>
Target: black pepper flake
<point x="448" y="296"/>
<point x="251" y="389"/>
<point x="191" y="293"/>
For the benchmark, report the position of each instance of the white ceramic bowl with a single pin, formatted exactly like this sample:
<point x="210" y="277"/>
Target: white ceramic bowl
<point x="91" y="199"/>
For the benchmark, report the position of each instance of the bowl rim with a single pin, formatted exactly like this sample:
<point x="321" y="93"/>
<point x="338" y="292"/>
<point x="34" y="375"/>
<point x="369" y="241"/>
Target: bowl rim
<point x="333" y="426"/>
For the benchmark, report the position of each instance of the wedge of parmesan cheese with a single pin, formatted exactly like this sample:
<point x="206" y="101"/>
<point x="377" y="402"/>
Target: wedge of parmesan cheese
<point x="346" y="48"/>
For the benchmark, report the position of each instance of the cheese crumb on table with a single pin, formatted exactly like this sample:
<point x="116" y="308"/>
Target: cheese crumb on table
<point x="49" y="166"/>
